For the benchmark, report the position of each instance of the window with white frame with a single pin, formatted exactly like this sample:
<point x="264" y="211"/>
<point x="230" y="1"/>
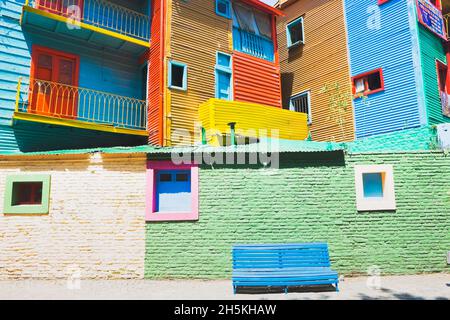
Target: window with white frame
<point x="302" y="103"/>
<point x="375" y="187"/>
<point x="295" y="32"/>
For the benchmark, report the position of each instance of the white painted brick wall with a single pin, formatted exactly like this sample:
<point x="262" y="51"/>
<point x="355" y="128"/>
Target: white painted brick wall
<point x="96" y="221"/>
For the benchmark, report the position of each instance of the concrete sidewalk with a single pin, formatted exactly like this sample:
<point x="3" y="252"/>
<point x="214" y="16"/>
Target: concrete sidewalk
<point x="436" y="286"/>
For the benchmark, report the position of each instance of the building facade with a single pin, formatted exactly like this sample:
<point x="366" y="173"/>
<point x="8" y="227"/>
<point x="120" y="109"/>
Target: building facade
<point x="391" y="76"/>
<point x="119" y="213"/>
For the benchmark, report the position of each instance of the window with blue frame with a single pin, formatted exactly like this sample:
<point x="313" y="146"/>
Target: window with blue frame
<point x="295" y="33"/>
<point x="173" y="191"/>
<point x="223" y="8"/>
<point x="223" y="76"/>
<point x="177" y="75"/>
<point x="252" y="32"/>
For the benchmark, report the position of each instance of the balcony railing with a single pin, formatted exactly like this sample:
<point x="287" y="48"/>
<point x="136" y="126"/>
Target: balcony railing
<point x="100" y="13"/>
<point x="62" y="101"/>
<point x="253" y="44"/>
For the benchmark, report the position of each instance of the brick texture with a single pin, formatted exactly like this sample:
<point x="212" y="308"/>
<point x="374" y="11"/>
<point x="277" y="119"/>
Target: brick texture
<point x="96" y="222"/>
<point x="311" y="199"/>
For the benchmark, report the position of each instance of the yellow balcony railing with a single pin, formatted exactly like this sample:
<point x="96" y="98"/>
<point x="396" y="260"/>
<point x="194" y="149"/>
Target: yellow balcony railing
<point x="99" y="13"/>
<point x="251" y="120"/>
<point x="56" y="100"/>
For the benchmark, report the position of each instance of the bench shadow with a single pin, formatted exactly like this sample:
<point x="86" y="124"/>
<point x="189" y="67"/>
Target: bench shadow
<point x="281" y="290"/>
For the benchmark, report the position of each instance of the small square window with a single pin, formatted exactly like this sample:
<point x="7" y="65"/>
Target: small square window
<point x="374" y="187"/>
<point x="302" y="103"/>
<point x="295" y="33"/>
<point x="172" y="192"/>
<point x="223" y="8"/>
<point x="27" y="194"/>
<point x="368" y="83"/>
<point x="177" y="75"/>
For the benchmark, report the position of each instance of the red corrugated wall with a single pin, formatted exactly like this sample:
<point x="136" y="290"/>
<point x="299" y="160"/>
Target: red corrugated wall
<point x="156" y="75"/>
<point x="256" y="80"/>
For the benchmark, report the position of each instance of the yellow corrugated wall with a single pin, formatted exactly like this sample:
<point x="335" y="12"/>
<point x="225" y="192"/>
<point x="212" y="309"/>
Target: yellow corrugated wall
<point x="196" y="33"/>
<point x="323" y="59"/>
<point x="251" y="118"/>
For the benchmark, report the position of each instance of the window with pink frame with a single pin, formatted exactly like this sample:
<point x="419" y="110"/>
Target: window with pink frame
<point x="172" y="192"/>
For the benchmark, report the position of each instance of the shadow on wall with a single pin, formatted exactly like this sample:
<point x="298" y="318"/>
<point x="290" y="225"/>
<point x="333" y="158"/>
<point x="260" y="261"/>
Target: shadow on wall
<point x="287" y="82"/>
<point x="32" y="137"/>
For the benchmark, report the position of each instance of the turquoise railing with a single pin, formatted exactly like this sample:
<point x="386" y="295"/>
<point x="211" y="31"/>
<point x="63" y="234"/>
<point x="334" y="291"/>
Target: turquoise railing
<point x="102" y="14"/>
<point x="253" y="44"/>
<point x="63" y="101"/>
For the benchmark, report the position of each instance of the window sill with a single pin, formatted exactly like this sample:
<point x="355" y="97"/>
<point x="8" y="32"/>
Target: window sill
<point x="367" y="93"/>
<point x="178" y="88"/>
<point x="295" y="45"/>
<point x="172" y="216"/>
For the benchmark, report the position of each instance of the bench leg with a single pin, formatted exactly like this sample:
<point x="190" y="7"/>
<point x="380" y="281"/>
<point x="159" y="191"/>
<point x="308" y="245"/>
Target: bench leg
<point x="337" y="287"/>
<point x="286" y="290"/>
<point x="234" y="289"/>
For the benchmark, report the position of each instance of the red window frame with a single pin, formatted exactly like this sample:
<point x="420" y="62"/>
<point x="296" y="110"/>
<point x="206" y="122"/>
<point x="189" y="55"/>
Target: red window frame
<point x="366" y="75"/>
<point x="439" y="65"/>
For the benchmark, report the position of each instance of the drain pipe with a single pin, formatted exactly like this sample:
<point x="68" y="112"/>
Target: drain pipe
<point x="232" y="126"/>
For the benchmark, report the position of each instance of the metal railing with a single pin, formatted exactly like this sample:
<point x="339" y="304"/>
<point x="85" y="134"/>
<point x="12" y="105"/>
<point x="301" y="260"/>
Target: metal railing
<point x="68" y="102"/>
<point x="253" y="44"/>
<point x="100" y="13"/>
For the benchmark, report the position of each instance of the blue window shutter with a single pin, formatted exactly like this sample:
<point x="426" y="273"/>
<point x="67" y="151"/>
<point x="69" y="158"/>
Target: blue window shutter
<point x="173" y="191"/>
<point x="223" y="85"/>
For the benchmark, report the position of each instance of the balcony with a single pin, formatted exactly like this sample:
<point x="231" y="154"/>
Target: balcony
<point x="253" y="44"/>
<point x="64" y="105"/>
<point x="251" y="120"/>
<point x="99" y="22"/>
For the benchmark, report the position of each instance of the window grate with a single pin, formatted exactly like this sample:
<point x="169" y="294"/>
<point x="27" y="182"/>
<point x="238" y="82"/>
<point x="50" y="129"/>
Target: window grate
<point x="301" y="103"/>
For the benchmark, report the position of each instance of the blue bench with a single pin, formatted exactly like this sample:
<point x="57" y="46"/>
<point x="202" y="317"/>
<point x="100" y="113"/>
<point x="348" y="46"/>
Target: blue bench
<point x="282" y="265"/>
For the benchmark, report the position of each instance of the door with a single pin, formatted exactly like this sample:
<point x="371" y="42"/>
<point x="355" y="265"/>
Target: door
<point x="53" y="85"/>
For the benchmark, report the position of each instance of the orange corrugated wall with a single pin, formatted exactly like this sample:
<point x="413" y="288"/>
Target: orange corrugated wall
<point x="156" y="74"/>
<point x="256" y="80"/>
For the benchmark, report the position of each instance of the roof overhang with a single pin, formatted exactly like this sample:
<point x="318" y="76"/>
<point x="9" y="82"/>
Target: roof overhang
<point x="264" y="7"/>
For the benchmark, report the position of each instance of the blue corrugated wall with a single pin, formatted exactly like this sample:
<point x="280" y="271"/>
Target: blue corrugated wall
<point x="389" y="47"/>
<point x="100" y="69"/>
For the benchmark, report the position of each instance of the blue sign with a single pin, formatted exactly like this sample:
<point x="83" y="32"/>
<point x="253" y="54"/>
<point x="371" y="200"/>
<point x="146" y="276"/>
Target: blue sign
<point x="431" y="17"/>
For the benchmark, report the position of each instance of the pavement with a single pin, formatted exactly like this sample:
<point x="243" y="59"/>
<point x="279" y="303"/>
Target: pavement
<point x="415" y="287"/>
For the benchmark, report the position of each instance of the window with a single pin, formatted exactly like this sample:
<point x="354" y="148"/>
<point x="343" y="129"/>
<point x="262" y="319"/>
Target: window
<point x="374" y="187"/>
<point x="252" y="32"/>
<point x="442" y="71"/>
<point x="27" y="194"/>
<point x="295" y="33"/>
<point x="223" y="8"/>
<point x="172" y="192"/>
<point x="302" y="103"/>
<point x="223" y="76"/>
<point x="177" y="75"/>
<point x="368" y="83"/>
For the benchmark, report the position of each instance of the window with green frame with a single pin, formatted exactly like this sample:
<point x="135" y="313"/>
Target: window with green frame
<point x="27" y="194"/>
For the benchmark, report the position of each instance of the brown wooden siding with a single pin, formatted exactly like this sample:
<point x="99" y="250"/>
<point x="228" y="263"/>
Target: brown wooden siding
<point x="323" y="59"/>
<point x="197" y="33"/>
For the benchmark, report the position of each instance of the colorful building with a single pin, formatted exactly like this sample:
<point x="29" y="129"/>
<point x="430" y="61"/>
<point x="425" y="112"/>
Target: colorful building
<point x="396" y="57"/>
<point x="121" y="213"/>
<point x="89" y="73"/>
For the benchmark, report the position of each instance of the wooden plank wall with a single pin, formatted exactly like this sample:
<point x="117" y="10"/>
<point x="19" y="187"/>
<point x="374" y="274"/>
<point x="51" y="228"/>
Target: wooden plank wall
<point x="323" y="59"/>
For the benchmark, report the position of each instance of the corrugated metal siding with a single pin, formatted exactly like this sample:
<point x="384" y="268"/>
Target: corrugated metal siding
<point x="389" y="47"/>
<point x="156" y="75"/>
<point x="322" y="60"/>
<point x="250" y="118"/>
<point x="197" y="33"/>
<point x="256" y="80"/>
<point x="431" y="48"/>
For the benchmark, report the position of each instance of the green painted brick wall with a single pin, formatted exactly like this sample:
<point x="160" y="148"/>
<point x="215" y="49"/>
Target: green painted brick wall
<point x="311" y="198"/>
<point x="431" y="48"/>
